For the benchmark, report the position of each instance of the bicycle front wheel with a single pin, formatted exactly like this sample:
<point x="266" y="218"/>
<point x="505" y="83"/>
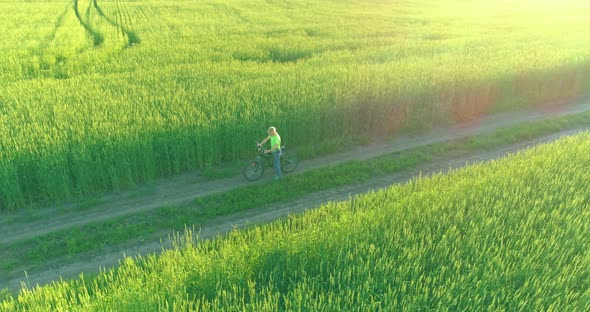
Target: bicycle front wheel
<point x="253" y="171"/>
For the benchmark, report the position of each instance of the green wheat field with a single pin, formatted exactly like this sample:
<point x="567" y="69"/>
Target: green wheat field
<point x="99" y="96"/>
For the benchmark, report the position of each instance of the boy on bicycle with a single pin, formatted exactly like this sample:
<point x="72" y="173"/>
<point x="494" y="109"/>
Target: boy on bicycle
<point x="275" y="149"/>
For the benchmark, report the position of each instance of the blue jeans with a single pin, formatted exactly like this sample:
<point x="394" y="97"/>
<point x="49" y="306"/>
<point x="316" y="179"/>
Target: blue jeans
<point x="276" y="155"/>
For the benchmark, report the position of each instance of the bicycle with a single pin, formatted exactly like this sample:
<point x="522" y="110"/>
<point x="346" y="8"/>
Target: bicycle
<point x="255" y="168"/>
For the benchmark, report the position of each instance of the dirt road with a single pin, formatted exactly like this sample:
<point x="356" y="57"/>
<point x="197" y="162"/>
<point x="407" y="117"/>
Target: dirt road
<point x="27" y="224"/>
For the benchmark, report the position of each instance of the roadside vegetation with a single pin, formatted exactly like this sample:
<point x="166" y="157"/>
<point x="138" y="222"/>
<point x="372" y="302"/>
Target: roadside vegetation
<point x="100" y="96"/>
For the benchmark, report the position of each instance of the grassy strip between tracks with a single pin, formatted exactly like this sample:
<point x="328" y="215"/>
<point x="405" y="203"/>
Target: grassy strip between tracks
<point x="67" y="244"/>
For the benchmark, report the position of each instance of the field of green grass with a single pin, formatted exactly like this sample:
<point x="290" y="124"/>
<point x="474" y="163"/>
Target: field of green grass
<point x="510" y="234"/>
<point x="102" y="95"/>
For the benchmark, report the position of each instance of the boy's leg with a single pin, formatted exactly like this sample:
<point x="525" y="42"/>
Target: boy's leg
<point x="277" y="163"/>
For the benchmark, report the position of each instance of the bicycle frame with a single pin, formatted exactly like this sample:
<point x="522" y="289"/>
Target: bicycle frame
<point x="266" y="156"/>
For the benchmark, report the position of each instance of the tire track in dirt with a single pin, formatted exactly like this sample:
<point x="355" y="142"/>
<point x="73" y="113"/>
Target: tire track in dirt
<point x="188" y="187"/>
<point x="223" y="225"/>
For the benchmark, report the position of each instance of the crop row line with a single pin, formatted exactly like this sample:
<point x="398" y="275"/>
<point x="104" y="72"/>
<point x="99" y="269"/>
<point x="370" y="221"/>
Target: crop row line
<point x="132" y="37"/>
<point x="97" y="37"/>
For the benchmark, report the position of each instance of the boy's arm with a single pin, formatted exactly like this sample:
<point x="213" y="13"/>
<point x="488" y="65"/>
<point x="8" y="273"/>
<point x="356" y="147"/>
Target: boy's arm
<point x="265" y="140"/>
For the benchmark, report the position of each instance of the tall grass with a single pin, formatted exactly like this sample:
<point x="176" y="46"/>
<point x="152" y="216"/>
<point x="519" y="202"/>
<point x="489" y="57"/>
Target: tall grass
<point x="507" y="235"/>
<point x="208" y="77"/>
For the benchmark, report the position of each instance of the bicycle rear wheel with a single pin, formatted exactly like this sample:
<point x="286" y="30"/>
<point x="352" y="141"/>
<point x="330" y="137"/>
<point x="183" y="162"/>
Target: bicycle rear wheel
<point x="253" y="171"/>
<point x="288" y="161"/>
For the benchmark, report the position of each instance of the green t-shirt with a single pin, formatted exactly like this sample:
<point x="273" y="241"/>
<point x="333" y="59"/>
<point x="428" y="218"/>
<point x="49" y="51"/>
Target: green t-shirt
<point x="274" y="140"/>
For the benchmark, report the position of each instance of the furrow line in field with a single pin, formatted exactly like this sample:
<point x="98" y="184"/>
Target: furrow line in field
<point x="46" y="41"/>
<point x="97" y="38"/>
<point x="132" y="37"/>
<point x="124" y="15"/>
<point x="58" y="24"/>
